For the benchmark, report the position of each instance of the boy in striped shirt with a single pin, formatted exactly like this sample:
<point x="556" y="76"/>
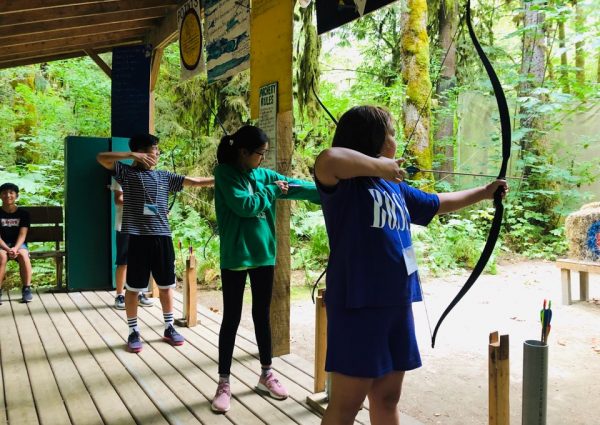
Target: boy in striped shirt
<point x="145" y="208"/>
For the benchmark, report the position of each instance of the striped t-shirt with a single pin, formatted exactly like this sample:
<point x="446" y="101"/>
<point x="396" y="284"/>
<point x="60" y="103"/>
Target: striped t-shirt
<point x="146" y="187"/>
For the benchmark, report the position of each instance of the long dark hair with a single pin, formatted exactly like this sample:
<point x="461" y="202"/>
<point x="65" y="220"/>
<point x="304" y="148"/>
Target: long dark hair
<point x="363" y="129"/>
<point x="247" y="137"/>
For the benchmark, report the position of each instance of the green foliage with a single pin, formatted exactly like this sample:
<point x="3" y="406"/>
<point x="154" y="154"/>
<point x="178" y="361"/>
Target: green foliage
<point x="454" y="241"/>
<point x="190" y="229"/>
<point x="310" y="246"/>
<point x="528" y="237"/>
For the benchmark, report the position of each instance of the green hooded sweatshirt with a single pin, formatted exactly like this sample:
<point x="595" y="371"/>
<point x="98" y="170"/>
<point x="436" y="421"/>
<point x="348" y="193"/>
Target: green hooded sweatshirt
<point x="245" y="207"/>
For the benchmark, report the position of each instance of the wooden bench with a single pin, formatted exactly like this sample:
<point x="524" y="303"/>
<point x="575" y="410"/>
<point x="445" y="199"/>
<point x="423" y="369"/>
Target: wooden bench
<point x="47" y="226"/>
<point x="584" y="268"/>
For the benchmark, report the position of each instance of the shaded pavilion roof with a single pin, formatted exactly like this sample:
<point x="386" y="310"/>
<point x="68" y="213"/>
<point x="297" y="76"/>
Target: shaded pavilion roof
<point x="37" y="31"/>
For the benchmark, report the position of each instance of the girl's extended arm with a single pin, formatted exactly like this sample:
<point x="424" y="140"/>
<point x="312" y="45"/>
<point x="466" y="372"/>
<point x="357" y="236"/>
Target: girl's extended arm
<point x="453" y="201"/>
<point x="335" y="164"/>
<point x="199" y="181"/>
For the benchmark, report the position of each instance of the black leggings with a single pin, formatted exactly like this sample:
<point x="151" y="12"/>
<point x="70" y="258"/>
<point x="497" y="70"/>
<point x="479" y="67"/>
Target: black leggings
<point x="233" y="283"/>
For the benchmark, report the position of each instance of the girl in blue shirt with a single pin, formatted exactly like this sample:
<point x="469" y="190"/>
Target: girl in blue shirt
<point x="372" y="277"/>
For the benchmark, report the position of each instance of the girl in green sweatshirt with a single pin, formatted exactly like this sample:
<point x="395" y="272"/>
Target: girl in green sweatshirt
<point x="245" y="196"/>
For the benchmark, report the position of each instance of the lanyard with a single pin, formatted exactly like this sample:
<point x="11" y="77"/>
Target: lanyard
<point x="146" y="195"/>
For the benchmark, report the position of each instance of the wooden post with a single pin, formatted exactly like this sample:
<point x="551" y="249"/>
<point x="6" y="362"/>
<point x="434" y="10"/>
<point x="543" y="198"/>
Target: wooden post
<point x="584" y="286"/>
<point x="280" y="306"/>
<point x="320" y="342"/>
<point x="319" y="400"/>
<point x="190" y="297"/>
<point x="271" y="24"/>
<point x="565" y="275"/>
<point x="191" y="291"/>
<point x="499" y="380"/>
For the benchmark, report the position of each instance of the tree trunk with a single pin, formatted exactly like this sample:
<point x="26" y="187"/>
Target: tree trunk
<point x="579" y="51"/>
<point x="564" y="63"/>
<point x="534" y="145"/>
<point x="443" y="140"/>
<point x="415" y="75"/>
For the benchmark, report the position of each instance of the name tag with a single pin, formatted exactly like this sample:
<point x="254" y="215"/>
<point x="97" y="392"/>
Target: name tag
<point x="410" y="259"/>
<point x="150" y="209"/>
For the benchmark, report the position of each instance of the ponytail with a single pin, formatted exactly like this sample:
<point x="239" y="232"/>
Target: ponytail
<point x="227" y="150"/>
<point x="247" y="137"/>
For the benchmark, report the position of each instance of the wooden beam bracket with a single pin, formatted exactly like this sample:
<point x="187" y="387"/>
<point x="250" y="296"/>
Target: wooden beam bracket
<point x="99" y="61"/>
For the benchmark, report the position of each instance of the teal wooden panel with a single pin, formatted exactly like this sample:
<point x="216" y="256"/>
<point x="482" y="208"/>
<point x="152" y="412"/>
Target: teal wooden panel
<point x="87" y="215"/>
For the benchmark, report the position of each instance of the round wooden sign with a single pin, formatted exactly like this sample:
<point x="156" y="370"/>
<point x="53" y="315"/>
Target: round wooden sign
<point x="190" y="40"/>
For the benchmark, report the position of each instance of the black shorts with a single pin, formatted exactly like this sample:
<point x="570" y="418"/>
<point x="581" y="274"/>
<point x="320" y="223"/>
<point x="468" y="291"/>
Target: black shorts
<point x="122" y="248"/>
<point x="150" y="255"/>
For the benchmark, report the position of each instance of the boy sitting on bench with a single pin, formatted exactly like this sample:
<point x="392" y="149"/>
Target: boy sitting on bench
<point x="14" y="224"/>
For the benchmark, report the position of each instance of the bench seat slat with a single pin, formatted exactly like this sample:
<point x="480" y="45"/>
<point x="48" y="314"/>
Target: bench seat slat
<point x="46" y="254"/>
<point x="578" y="265"/>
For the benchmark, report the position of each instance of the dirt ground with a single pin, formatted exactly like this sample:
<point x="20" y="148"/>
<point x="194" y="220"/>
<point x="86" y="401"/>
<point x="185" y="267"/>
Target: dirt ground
<point x="451" y="387"/>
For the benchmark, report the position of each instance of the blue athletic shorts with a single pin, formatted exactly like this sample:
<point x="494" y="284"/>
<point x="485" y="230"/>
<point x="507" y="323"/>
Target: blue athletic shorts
<point x="371" y="342"/>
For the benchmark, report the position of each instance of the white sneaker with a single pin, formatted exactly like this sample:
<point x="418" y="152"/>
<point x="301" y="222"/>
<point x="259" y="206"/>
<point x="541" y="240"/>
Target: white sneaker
<point x="144" y="301"/>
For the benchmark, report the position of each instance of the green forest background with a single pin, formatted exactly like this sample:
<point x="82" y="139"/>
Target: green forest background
<point x="361" y="63"/>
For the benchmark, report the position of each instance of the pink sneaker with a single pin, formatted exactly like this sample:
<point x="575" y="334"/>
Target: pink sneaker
<point x="271" y="385"/>
<point x="221" y="401"/>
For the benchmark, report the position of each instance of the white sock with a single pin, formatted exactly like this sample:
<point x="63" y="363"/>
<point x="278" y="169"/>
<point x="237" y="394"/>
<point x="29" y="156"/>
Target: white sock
<point x="132" y="323"/>
<point x="168" y="319"/>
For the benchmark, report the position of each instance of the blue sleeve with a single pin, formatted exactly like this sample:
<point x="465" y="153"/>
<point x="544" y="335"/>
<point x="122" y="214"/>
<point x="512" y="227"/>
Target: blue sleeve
<point x="422" y="206"/>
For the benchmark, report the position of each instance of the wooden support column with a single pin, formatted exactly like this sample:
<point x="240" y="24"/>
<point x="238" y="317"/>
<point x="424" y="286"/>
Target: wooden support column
<point x="499" y="380"/>
<point x="271" y="61"/>
<point x="320" y="342"/>
<point x="319" y="400"/>
<point x="190" y="294"/>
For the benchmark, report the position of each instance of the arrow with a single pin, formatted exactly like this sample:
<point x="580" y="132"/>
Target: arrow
<point x="412" y="170"/>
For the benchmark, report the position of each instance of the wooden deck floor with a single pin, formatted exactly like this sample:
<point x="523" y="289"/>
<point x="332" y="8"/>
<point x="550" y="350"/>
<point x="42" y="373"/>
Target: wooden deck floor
<point x="63" y="361"/>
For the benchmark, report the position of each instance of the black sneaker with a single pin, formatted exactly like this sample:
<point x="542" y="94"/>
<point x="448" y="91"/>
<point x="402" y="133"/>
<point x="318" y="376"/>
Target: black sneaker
<point x="134" y="343"/>
<point x="173" y="337"/>
<point x="27" y="295"/>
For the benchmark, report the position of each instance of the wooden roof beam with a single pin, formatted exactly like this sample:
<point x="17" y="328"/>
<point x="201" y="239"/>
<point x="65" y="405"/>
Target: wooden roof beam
<point x="48" y="58"/>
<point x="73" y="48"/>
<point x="160" y="37"/>
<point x="86" y="9"/>
<point x="17" y="6"/>
<point x="99" y="61"/>
<point x="76" y="32"/>
<point x="83" y="21"/>
<point x="65" y="44"/>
